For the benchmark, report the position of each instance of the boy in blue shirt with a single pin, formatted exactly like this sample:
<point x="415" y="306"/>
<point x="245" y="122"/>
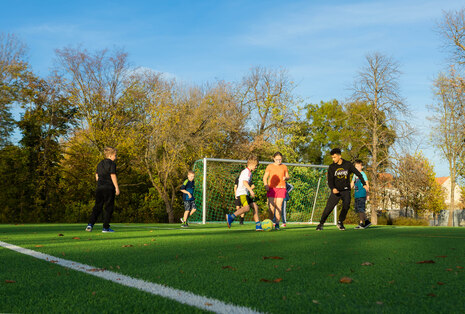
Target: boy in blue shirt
<point x="360" y="196"/>
<point x="187" y="189"/>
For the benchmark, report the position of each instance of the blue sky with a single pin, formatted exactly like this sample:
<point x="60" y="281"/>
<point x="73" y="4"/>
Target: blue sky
<point x="322" y="43"/>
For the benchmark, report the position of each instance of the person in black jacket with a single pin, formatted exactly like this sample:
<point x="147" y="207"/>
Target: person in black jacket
<point x="339" y="184"/>
<point x="107" y="188"/>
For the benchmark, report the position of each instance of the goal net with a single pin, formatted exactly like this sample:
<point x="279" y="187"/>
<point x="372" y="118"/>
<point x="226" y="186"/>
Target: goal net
<point x="214" y="191"/>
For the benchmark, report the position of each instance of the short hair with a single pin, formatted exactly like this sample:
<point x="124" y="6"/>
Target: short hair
<point x="190" y="172"/>
<point x="336" y="151"/>
<point x="252" y="160"/>
<point x="358" y="162"/>
<point x="277" y="154"/>
<point x="108" y="151"/>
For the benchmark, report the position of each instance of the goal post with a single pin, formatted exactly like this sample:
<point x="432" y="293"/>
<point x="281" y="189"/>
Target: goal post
<point x="214" y="192"/>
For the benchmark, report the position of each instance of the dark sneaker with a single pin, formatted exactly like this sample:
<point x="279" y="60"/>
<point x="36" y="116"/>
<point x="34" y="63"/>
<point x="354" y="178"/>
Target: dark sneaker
<point x="107" y="230"/>
<point x="367" y="223"/>
<point x="360" y="226"/>
<point x="89" y="227"/>
<point x="241" y="222"/>
<point x="319" y="227"/>
<point x="184" y="225"/>
<point x="340" y="226"/>
<point x="276" y="227"/>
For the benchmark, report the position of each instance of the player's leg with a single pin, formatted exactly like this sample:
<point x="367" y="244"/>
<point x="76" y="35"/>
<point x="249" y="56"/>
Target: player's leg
<point x="99" y="201"/>
<point x="193" y="209"/>
<point x="278" y="206"/>
<point x="345" y="195"/>
<point x="109" y="196"/>
<point x="284" y="213"/>
<point x="245" y="208"/>
<point x="258" y="226"/>
<point x="187" y="209"/>
<point x="272" y="208"/>
<point x="333" y="199"/>
<point x="358" y="208"/>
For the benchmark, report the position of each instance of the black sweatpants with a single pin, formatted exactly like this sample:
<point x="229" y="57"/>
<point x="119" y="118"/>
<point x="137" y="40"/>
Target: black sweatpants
<point x="332" y="202"/>
<point x="104" y="197"/>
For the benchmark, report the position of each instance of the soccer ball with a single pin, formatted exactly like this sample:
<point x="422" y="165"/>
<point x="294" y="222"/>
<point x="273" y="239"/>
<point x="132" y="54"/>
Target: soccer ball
<point x="267" y="225"/>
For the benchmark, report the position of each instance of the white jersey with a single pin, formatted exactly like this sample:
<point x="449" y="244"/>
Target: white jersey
<point x="246" y="175"/>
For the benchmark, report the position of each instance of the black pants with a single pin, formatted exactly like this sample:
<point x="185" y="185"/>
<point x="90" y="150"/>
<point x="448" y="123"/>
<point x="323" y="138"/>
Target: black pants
<point x="332" y="202"/>
<point x="104" y="196"/>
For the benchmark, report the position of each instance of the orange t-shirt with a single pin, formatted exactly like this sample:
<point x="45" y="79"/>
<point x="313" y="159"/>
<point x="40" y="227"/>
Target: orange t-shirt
<point x="277" y="173"/>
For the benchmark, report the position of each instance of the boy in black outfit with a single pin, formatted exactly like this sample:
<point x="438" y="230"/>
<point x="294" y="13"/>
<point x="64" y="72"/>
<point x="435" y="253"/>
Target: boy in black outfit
<point x="339" y="184"/>
<point x="107" y="188"/>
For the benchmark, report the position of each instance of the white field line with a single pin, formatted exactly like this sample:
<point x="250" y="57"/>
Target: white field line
<point x="180" y="296"/>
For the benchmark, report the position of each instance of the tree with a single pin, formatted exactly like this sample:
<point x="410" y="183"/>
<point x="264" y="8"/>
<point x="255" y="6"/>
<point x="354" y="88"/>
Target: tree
<point x="377" y="86"/>
<point x="180" y="125"/>
<point x="13" y="76"/>
<point x="452" y="28"/>
<point x="417" y="186"/>
<point x="448" y="126"/>
<point x="265" y="95"/>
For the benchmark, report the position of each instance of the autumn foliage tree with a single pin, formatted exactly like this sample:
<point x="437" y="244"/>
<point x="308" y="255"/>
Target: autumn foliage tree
<point x="377" y="86"/>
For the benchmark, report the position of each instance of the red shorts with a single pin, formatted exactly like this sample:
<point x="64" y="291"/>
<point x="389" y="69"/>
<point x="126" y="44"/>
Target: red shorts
<point x="276" y="193"/>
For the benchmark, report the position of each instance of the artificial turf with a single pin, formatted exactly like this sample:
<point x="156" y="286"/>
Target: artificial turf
<point x="390" y="269"/>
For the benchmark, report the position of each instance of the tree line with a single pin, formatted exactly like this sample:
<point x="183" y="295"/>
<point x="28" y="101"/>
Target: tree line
<point x="93" y="99"/>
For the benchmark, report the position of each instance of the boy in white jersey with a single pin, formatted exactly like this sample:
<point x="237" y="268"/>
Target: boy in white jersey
<point x="245" y="188"/>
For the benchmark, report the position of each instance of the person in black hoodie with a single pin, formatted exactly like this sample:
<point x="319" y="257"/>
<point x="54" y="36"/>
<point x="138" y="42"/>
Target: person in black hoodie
<point x="339" y="184"/>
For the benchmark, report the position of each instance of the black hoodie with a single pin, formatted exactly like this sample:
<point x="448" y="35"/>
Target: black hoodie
<point x="339" y="175"/>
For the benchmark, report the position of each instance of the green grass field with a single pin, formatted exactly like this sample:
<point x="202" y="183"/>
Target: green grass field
<point x="294" y="270"/>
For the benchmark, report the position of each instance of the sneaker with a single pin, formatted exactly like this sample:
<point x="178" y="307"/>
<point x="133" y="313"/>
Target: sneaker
<point x="241" y="222"/>
<point x="258" y="228"/>
<point x="89" y="227"/>
<point x="229" y="220"/>
<point x="182" y="220"/>
<point x="106" y="230"/>
<point x="184" y="225"/>
<point x="319" y="227"/>
<point x="340" y="226"/>
<point x="284" y="225"/>
<point x="360" y="226"/>
<point x="367" y="223"/>
<point x="276" y="227"/>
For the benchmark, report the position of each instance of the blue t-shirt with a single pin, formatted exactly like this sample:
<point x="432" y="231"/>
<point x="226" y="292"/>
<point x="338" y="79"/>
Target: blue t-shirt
<point x="189" y="186"/>
<point x="359" y="190"/>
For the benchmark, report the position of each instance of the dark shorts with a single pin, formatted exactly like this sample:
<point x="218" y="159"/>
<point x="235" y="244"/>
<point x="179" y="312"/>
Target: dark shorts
<point x="189" y="205"/>
<point x="360" y="204"/>
<point x="245" y="200"/>
<point x="237" y="202"/>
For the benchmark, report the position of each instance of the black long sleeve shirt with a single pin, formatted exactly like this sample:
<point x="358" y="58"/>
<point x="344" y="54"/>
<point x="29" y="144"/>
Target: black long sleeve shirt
<point x="339" y="175"/>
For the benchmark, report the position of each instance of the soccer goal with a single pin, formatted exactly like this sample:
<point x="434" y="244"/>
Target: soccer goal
<point x="214" y="191"/>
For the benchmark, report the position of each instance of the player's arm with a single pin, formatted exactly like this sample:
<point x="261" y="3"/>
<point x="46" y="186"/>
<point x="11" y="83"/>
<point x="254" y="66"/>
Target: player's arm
<point x="248" y="187"/>
<point x="352" y="183"/>
<point x="360" y="176"/>
<point x="115" y="183"/>
<point x="186" y="192"/>
<point x="331" y="185"/>
<point x="265" y="179"/>
<point x="286" y="175"/>
<point x="183" y="190"/>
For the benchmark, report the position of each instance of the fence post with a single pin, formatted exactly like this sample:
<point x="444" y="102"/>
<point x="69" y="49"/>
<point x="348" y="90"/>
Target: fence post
<point x="204" y="198"/>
